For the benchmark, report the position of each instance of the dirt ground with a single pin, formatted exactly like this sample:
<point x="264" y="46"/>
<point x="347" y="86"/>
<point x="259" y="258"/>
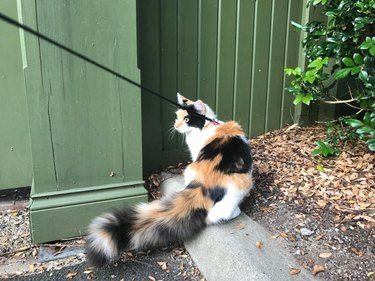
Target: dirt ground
<point x="323" y="208"/>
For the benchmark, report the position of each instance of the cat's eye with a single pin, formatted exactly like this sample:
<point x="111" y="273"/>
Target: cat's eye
<point x="186" y="119"/>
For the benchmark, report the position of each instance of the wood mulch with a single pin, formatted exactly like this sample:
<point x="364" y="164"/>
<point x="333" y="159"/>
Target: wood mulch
<point x="323" y="208"/>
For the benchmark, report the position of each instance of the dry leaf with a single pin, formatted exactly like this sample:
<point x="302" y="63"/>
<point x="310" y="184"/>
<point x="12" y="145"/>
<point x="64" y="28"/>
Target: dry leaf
<point x="294" y="271"/>
<point x="151" y="278"/>
<point x="317" y="269"/>
<point x="239" y="226"/>
<point x="31" y="268"/>
<point x="358" y="252"/>
<point x="371" y="273"/>
<point x="91" y="276"/>
<point x="259" y="245"/>
<point x="266" y="209"/>
<point x="320" y="236"/>
<point x="71" y="275"/>
<point x="162" y="264"/>
<point x="325" y="255"/>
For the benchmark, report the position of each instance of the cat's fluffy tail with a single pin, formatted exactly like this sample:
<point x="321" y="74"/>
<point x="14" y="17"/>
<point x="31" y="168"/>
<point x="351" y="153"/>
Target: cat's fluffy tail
<point x="158" y="223"/>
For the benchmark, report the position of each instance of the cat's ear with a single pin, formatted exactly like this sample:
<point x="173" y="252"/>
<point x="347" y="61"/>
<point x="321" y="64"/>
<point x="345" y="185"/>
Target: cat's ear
<point x="181" y="100"/>
<point x="200" y="107"/>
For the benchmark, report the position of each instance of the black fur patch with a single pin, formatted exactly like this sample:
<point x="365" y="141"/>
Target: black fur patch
<point x="216" y="194"/>
<point x="121" y="231"/>
<point x="180" y="230"/>
<point x="196" y="120"/>
<point x="236" y="156"/>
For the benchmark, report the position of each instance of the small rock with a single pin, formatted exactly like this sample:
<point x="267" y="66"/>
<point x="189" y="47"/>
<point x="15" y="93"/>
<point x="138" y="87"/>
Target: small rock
<point x="306" y="231"/>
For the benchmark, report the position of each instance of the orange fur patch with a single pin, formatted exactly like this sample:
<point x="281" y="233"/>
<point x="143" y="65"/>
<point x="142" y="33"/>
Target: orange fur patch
<point x="167" y="212"/>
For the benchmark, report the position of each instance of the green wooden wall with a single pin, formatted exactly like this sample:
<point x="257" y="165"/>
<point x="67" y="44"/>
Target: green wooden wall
<point x="230" y="54"/>
<point x="84" y="123"/>
<point x="15" y="155"/>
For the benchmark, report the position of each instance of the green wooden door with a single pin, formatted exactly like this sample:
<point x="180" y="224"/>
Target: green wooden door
<point x="15" y="156"/>
<point x="85" y="124"/>
<point x="230" y="54"/>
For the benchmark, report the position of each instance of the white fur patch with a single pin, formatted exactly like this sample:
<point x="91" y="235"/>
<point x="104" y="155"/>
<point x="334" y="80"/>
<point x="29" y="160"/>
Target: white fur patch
<point x="99" y="239"/>
<point x="189" y="175"/>
<point x="227" y="208"/>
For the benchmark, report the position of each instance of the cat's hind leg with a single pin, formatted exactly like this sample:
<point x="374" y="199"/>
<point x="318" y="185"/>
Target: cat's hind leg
<point x="227" y="208"/>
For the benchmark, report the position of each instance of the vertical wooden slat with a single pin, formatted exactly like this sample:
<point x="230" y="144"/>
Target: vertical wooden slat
<point x="187" y="47"/>
<point x="260" y="67"/>
<point x="168" y="64"/>
<point x="149" y="54"/>
<point x="226" y="59"/>
<point x="245" y="27"/>
<point x="275" y="89"/>
<point x="292" y="58"/>
<point x="207" y="50"/>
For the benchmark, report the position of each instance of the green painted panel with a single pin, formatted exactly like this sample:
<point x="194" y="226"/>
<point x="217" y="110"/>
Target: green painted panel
<point x="168" y="74"/>
<point x="51" y="224"/>
<point x="187" y="22"/>
<point x="15" y="163"/>
<point x="244" y="59"/>
<point x="207" y="51"/>
<point x="294" y="53"/>
<point x="275" y="89"/>
<point x="260" y="67"/>
<point x="93" y="115"/>
<point x="85" y="124"/>
<point x="226" y="59"/>
<point x="149" y="64"/>
<point x="230" y="54"/>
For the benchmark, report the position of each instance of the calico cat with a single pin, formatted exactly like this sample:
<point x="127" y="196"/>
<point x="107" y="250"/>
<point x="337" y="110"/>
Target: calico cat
<point x="217" y="180"/>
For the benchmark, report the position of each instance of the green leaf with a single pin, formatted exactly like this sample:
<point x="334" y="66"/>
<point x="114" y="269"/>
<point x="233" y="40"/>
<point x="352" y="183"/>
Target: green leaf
<point x="364" y="130"/>
<point x="358" y="59"/>
<point x="342" y="73"/>
<point x="366" y="45"/>
<point x="298" y="99"/>
<point x="354" y="122"/>
<point x="307" y="99"/>
<point x="355" y="70"/>
<point x="318" y="63"/>
<point x="371" y="144"/>
<point x="367" y="119"/>
<point x="288" y="71"/>
<point x="372" y="50"/>
<point x="363" y="75"/>
<point x="297" y="25"/>
<point x="320" y="168"/>
<point x="348" y="62"/>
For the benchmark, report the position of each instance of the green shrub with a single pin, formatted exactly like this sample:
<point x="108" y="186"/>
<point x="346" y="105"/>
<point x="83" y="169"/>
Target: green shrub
<point x="341" y="47"/>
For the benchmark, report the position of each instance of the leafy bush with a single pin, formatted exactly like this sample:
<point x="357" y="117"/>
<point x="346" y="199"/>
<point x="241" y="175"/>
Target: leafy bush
<point x="341" y="47"/>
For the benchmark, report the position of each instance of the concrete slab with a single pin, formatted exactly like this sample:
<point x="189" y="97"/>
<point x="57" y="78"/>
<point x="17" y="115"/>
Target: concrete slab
<point x="242" y="250"/>
<point x="238" y="250"/>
